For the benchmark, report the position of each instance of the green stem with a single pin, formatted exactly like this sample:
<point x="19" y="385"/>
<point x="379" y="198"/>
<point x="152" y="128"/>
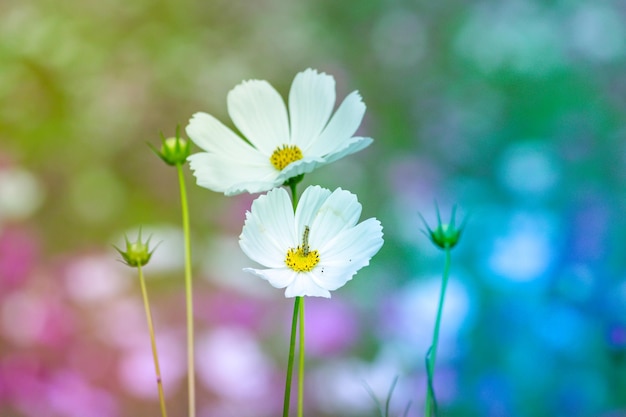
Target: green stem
<point x="155" y="356"/>
<point x="188" y="294"/>
<point x="298" y="309"/>
<point x="431" y="403"/>
<point x="301" y="361"/>
<point x="294" y="194"/>
<point x="292" y="346"/>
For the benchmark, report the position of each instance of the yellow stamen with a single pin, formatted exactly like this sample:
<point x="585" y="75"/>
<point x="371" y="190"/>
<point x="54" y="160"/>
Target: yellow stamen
<point x="285" y="155"/>
<point x="302" y="258"/>
<point x="299" y="262"/>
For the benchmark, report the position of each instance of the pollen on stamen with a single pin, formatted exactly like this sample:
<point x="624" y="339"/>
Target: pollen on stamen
<point x="285" y="155"/>
<point x="302" y="258"/>
<point x="299" y="262"/>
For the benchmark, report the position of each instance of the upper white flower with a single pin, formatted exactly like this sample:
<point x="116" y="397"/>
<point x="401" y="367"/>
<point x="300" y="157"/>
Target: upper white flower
<point x="277" y="146"/>
<point x="314" y="251"/>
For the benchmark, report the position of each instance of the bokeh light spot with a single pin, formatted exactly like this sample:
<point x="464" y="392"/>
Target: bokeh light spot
<point x="21" y="194"/>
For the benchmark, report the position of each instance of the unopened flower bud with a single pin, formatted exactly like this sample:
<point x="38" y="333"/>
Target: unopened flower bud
<point x="445" y="235"/>
<point x="137" y="253"/>
<point x="174" y="151"/>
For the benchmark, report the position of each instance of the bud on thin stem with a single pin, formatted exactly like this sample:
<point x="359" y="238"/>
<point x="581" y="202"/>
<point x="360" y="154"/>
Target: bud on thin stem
<point x="445" y="235"/>
<point x="137" y="253"/>
<point x="174" y="151"/>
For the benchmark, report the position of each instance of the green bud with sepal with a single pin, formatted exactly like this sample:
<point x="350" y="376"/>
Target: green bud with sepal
<point x="174" y="151"/>
<point x="445" y="235"/>
<point x="137" y="253"/>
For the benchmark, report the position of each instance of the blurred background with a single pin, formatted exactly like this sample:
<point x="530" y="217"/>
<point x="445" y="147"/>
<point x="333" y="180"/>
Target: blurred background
<point x="512" y="109"/>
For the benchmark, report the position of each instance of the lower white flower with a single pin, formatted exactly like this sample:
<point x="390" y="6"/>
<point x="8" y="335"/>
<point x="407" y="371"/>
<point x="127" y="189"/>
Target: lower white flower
<point x="315" y="250"/>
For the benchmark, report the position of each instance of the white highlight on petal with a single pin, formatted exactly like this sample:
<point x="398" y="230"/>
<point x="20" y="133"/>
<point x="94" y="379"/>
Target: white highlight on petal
<point x="278" y="278"/>
<point x="268" y="230"/>
<point x="213" y="136"/>
<point x="341" y="210"/>
<point x="259" y="113"/>
<point x="341" y="127"/>
<point x="309" y="206"/>
<point x="305" y="285"/>
<point x="311" y="101"/>
<point x="228" y="160"/>
<point x="350" y="251"/>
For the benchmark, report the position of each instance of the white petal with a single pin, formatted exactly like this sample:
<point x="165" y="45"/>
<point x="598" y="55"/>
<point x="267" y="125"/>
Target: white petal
<point x="341" y="210"/>
<point x="341" y="127"/>
<point x="304" y="285"/>
<point x="278" y="278"/>
<point x="352" y="248"/>
<point x="311" y="101"/>
<point x="354" y="145"/>
<point x="259" y="113"/>
<point x="230" y="165"/>
<point x="351" y="251"/>
<point x="310" y="202"/>
<point x="211" y="135"/>
<point x="332" y="278"/>
<point x="302" y="166"/>
<point x="218" y="172"/>
<point x="252" y="187"/>
<point x="311" y="163"/>
<point x="268" y="231"/>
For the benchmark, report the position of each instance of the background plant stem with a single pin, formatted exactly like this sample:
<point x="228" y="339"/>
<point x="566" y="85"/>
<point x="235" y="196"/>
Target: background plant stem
<point x="431" y="404"/>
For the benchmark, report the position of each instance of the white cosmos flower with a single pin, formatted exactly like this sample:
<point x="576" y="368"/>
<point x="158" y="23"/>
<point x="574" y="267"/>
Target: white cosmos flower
<point x="314" y="251"/>
<point x="278" y="146"/>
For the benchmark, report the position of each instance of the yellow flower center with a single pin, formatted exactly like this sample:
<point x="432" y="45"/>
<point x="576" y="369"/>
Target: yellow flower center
<point x="285" y="155"/>
<point x="302" y="259"/>
<point x="299" y="262"/>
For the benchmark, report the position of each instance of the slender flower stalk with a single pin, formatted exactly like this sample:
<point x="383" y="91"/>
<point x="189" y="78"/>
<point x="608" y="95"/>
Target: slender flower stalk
<point x="431" y="357"/>
<point x="290" y="359"/>
<point x="301" y="362"/>
<point x="155" y="355"/>
<point x="188" y="294"/>
<point x="445" y="237"/>
<point x="174" y="151"/>
<point x="137" y="255"/>
<point x="297" y="315"/>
